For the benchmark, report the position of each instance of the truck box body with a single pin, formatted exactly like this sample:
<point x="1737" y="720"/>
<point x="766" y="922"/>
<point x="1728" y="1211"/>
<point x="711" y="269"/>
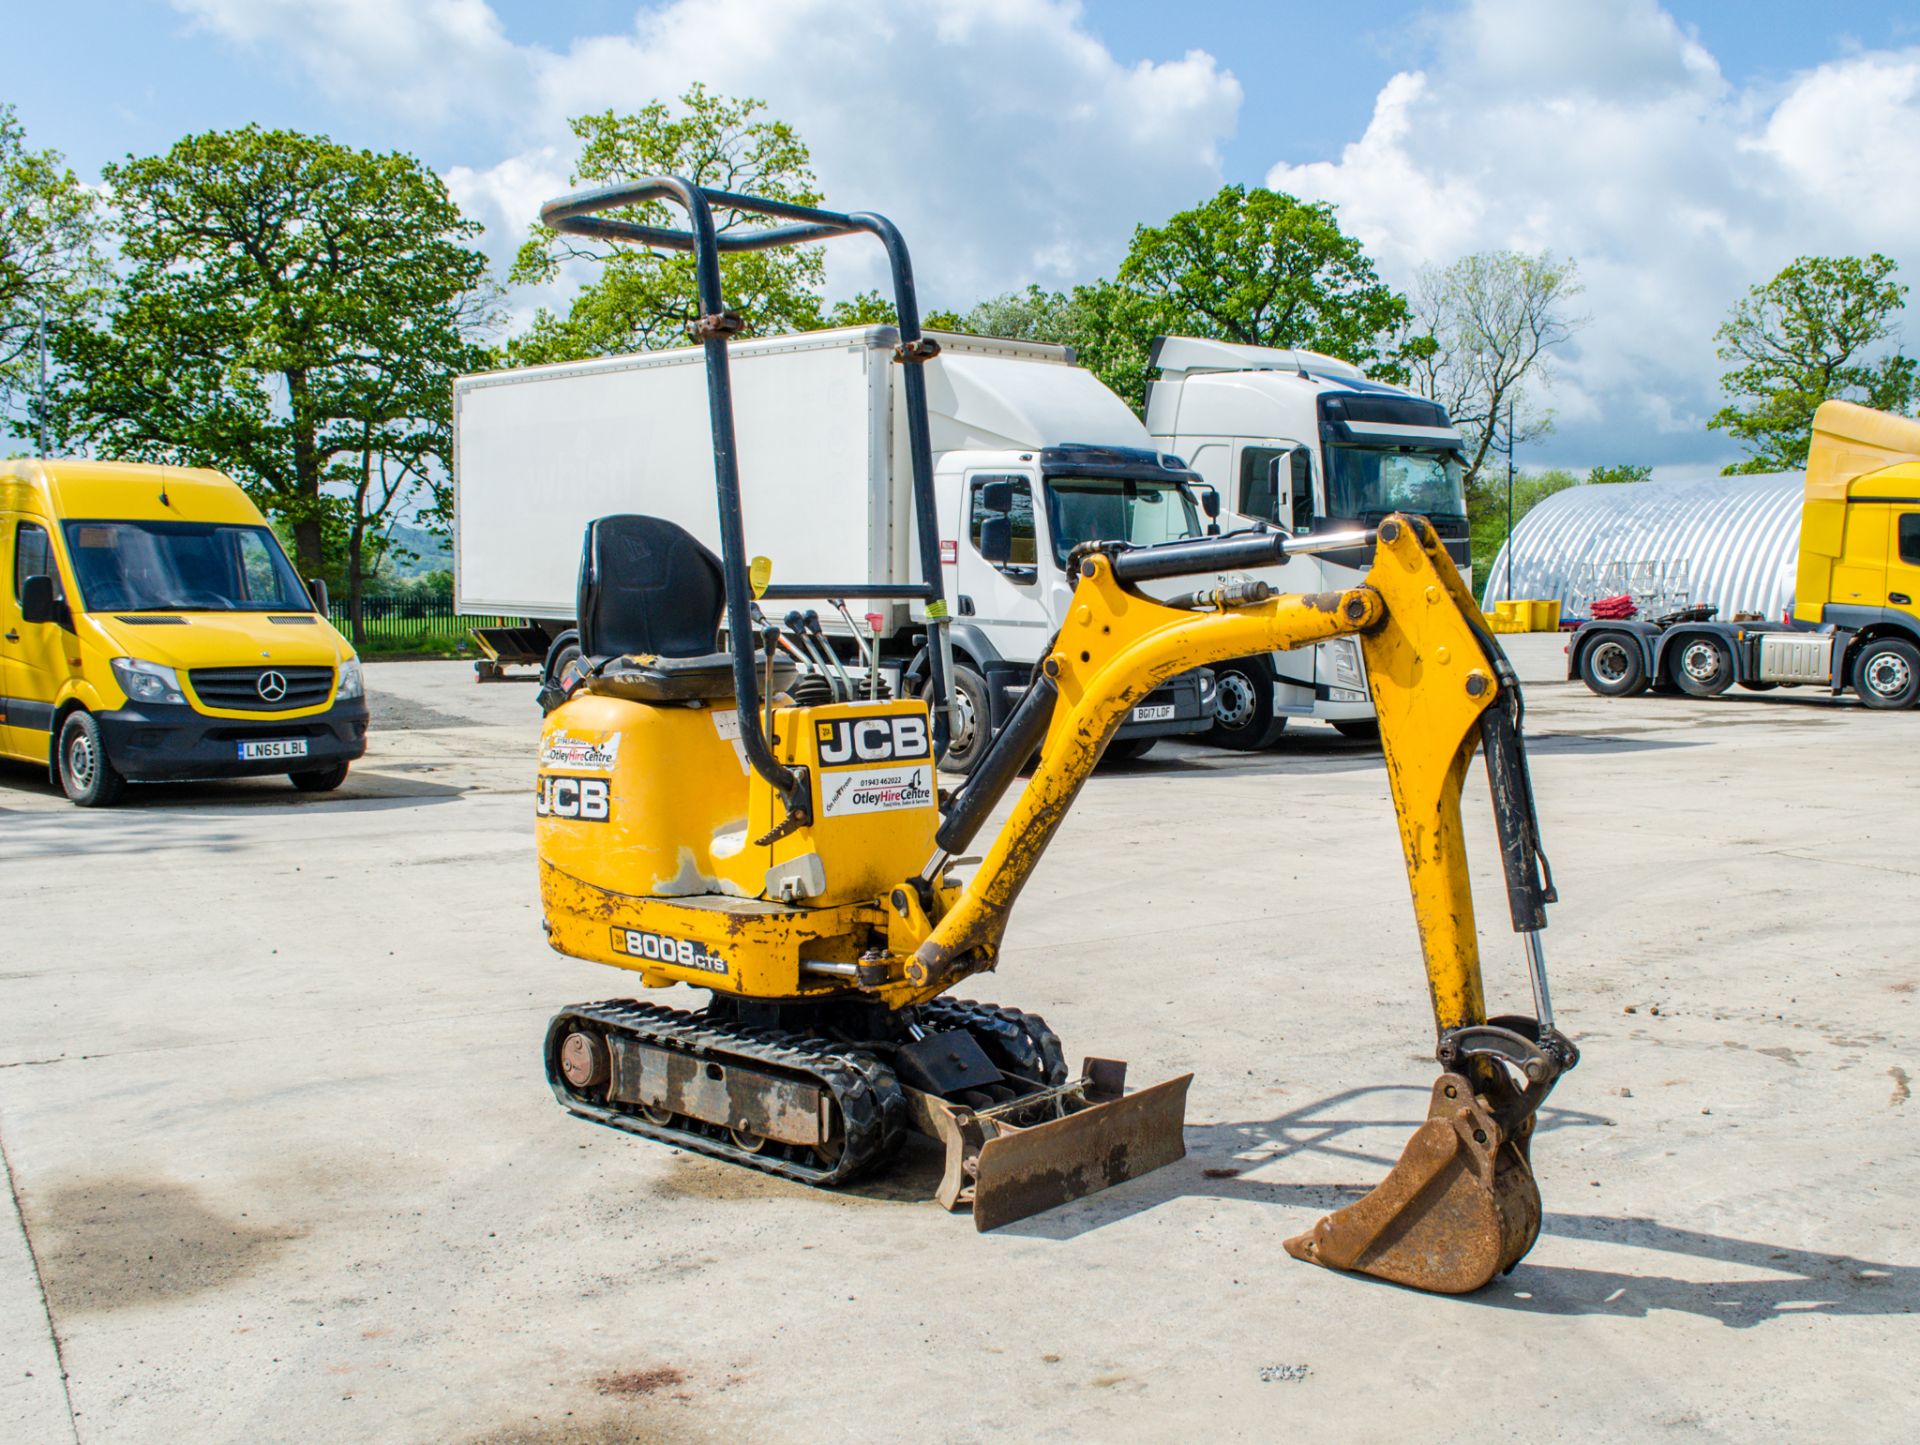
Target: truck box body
<point x="824" y="479"/>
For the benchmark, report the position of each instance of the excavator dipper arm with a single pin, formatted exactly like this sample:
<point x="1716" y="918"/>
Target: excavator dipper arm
<point x="1461" y="1205"/>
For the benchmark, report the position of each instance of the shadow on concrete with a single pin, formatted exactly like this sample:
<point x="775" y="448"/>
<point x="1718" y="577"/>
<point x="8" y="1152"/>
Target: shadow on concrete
<point x="1793" y="1281"/>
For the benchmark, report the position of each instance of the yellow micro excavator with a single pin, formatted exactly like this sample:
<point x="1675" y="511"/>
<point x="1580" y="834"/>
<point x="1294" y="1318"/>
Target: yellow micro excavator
<point x="711" y="814"/>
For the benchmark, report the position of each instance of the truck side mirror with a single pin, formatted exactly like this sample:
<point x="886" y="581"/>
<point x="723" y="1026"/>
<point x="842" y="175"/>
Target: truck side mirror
<point x="36" y="600"/>
<point x="317" y="590"/>
<point x="996" y="497"/>
<point x="1210" y="503"/>
<point x="996" y="538"/>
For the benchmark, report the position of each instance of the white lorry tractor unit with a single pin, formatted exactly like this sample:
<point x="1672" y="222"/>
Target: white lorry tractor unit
<point x="1032" y="457"/>
<point x="1306" y="444"/>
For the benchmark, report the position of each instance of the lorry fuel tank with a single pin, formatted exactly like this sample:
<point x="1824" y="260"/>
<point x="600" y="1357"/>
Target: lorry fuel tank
<point x="1796" y="657"/>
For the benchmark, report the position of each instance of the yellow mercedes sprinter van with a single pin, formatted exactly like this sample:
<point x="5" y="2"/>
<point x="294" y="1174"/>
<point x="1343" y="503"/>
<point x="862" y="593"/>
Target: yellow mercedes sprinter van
<point x="152" y="628"/>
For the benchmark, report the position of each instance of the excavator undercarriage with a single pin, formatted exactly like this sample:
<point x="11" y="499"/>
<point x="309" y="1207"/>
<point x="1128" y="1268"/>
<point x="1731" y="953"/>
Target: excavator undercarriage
<point x="712" y="818"/>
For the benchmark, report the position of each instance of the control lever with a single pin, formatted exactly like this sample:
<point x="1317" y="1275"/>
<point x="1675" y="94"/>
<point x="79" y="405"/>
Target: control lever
<point x="819" y="637"/>
<point x="797" y="625"/>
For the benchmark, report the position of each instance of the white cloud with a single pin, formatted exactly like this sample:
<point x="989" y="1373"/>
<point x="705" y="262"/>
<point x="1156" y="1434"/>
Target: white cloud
<point x="1005" y="140"/>
<point x="1601" y="130"/>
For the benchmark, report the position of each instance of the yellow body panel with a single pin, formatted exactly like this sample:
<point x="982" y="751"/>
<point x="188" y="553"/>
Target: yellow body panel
<point x="49" y="666"/>
<point x="650" y="824"/>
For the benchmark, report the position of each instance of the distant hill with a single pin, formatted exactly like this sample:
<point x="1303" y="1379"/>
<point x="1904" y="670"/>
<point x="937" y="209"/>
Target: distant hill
<point x="434" y="553"/>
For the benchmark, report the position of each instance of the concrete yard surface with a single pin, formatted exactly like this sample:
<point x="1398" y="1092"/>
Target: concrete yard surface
<point x="284" y="1166"/>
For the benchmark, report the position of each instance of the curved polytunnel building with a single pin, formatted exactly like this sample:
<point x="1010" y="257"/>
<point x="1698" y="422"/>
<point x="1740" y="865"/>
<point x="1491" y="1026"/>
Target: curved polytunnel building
<point x="1729" y="541"/>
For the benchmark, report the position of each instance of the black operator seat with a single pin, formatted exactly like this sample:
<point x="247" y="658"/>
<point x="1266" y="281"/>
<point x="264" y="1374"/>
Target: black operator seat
<point x="650" y="605"/>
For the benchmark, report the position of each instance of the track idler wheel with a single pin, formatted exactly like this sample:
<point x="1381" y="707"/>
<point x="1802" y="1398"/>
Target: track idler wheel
<point x="1459" y="1208"/>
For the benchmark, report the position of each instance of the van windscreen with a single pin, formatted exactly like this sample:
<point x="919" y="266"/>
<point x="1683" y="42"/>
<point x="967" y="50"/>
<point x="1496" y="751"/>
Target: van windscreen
<point x="182" y="567"/>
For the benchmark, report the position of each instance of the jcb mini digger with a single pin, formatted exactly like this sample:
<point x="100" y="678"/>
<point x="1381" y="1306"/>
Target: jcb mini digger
<point x="714" y="815"/>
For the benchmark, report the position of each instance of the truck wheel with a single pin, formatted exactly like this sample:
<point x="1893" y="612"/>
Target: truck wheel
<point x="1127" y="750"/>
<point x="1886" y="674"/>
<point x="1360" y="729"/>
<point x="319" y="780"/>
<point x="972" y="719"/>
<point x="86" y="773"/>
<point x="1243" y="708"/>
<point x="1702" y="666"/>
<point x="1612" y="667"/>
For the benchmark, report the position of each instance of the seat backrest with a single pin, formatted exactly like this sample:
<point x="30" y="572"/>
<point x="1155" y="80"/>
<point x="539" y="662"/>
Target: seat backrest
<point x="648" y="586"/>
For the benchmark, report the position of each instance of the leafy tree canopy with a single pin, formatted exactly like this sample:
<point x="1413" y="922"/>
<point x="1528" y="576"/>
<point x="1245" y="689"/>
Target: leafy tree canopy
<point x="1623" y="472"/>
<point x="1803" y="338"/>
<point x="292" y="311"/>
<point x="48" y="260"/>
<point x="640" y="299"/>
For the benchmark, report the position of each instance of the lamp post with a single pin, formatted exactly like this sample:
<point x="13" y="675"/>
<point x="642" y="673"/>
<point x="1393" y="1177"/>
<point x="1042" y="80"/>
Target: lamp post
<point x="40" y="400"/>
<point x="1509" y="549"/>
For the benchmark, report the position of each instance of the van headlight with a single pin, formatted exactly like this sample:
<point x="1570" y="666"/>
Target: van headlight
<point x="352" y="685"/>
<point x="147" y="681"/>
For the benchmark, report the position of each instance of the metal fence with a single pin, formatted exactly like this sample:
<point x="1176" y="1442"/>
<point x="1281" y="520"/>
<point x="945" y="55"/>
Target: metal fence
<point x="412" y="617"/>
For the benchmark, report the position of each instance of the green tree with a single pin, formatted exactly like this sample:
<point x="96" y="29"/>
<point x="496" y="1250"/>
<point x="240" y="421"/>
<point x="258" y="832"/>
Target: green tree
<point x="1252" y="266"/>
<point x="1482" y="330"/>
<point x="1623" y="472"/>
<point x="1803" y="338"/>
<point x="292" y="312"/>
<point x="50" y="266"/>
<point x="640" y="299"/>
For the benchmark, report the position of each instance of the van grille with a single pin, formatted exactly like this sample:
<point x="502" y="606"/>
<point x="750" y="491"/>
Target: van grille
<point x="238" y="688"/>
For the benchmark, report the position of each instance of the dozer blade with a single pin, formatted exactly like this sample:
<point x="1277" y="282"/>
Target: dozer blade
<point x="1459" y="1208"/>
<point x="1023" y="1171"/>
<point x="1011" y="1160"/>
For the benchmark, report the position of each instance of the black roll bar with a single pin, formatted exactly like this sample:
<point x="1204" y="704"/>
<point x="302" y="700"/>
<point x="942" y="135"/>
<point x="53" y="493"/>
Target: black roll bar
<point x="583" y="213"/>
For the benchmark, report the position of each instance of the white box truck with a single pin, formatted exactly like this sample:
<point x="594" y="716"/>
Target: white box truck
<point x="1308" y="444"/>
<point x="1019" y="431"/>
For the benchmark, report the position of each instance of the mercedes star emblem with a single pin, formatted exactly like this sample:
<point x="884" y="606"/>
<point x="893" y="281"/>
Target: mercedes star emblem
<point x="271" y="687"/>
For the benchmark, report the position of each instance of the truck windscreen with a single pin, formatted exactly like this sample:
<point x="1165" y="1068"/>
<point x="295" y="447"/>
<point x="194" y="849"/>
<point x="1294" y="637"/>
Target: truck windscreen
<point x="1364" y="484"/>
<point x="182" y="567"/>
<point x="1118" y="509"/>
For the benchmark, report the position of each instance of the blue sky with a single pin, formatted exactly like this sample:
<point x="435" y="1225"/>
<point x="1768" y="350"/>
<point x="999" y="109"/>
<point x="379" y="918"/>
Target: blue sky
<point x="1677" y="153"/>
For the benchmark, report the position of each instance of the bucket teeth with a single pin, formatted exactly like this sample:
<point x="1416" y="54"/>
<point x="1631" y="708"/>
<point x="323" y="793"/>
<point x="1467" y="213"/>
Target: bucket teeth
<point x="1459" y="1208"/>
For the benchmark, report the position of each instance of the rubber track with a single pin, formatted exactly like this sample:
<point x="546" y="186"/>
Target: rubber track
<point x="873" y="1111"/>
<point x="1020" y="1033"/>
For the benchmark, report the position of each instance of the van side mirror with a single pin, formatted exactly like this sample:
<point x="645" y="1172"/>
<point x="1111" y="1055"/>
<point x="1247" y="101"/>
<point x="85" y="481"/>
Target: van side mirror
<point x="317" y="590"/>
<point x="996" y="538"/>
<point x="36" y="600"/>
<point x="996" y="497"/>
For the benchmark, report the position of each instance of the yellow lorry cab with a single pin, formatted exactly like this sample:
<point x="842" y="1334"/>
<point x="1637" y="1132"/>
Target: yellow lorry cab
<point x="152" y="628"/>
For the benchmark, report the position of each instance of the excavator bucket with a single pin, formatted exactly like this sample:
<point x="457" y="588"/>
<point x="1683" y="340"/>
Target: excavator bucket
<point x="1459" y="1208"/>
<point x="1009" y="1161"/>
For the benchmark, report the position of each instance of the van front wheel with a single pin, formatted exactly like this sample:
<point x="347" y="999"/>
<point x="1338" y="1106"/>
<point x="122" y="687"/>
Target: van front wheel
<point x="320" y="780"/>
<point x="87" y="775"/>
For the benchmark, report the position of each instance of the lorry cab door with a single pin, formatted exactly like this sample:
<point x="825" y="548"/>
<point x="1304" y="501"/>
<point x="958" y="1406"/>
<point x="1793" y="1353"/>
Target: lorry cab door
<point x="1860" y="571"/>
<point x="1007" y="602"/>
<point x="1903" y="561"/>
<point x="32" y="654"/>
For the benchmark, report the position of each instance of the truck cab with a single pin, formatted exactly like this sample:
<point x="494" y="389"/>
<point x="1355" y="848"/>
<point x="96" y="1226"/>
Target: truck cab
<point x="1015" y="518"/>
<point x="152" y="628"/>
<point x="1309" y="444"/>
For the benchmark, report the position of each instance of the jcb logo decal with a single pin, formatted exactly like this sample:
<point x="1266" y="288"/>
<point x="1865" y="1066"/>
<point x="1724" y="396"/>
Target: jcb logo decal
<point x="584" y="799"/>
<point x="853" y="741"/>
